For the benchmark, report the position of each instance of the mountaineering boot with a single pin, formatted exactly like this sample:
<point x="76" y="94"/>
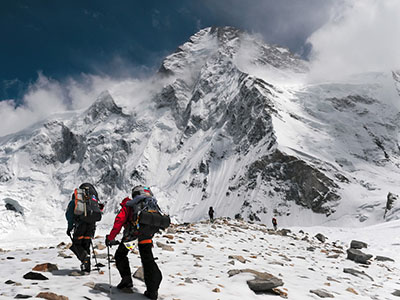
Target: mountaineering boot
<point x="85" y="266"/>
<point x="151" y="295"/>
<point x="126" y="282"/>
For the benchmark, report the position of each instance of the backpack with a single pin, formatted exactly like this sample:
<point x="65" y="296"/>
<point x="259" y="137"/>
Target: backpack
<point x="146" y="218"/>
<point x="87" y="206"/>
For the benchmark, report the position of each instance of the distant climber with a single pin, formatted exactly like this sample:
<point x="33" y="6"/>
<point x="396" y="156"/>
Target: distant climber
<point x="274" y="223"/>
<point x="141" y="218"/>
<point x="211" y="214"/>
<point x="83" y="211"/>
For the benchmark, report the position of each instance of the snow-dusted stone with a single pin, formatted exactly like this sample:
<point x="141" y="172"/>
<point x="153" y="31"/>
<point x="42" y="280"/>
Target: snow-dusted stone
<point x="263" y="282"/>
<point x="264" y="285"/>
<point x="360" y="274"/>
<point x="322" y="293"/>
<point x="396" y="293"/>
<point x="63" y="255"/>
<point x="61" y="245"/>
<point x="35" y="276"/>
<point x="238" y="257"/>
<point x="383" y="258"/>
<point x="351" y="290"/>
<point x="51" y="296"/>
<point x="164" y="246"/>
<point x="100" y="246"/>
<point x="46" y="267"/>
<point x="358" y="256"/>
<point x="22" y="296"/>
<point x="320" y="237"/>
<point x="139" y="274"/>
<point x="281" y="293"/>
<point x="358" y="245"/>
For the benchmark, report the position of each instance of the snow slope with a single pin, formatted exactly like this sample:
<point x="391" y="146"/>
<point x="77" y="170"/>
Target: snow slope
<point x="198" y="266"/>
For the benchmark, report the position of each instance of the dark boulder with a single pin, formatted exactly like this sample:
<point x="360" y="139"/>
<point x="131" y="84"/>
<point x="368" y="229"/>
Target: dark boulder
<point x="358" y="256"/>
<point x="35" y="276"/>
<point x="358" y="245"/>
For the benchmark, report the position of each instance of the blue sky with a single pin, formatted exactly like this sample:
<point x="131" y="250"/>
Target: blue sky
<point x="65" y="39"/>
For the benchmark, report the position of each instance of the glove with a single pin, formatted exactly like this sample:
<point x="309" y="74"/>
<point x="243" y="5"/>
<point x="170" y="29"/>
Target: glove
<point x="108" y="242"/>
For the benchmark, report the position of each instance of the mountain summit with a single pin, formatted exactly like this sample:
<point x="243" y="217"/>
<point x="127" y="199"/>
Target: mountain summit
<point x="229" y="123"/>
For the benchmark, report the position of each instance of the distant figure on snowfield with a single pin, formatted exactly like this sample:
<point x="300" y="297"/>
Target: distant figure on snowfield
<point x="275" y="223"/>
<point x="211" y="214"/>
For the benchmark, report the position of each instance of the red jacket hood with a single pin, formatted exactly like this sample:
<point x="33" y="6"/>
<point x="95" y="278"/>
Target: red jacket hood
<point x="123" y="203"/>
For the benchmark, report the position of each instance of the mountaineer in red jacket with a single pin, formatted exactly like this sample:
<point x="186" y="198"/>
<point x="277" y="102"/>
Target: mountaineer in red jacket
<point x="125" y="218"/>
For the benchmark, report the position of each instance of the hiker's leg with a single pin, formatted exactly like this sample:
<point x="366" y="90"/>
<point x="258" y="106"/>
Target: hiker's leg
<point x="151" y="272"/>
<point x="78" y="244"/>
<point x="122" y="261"/>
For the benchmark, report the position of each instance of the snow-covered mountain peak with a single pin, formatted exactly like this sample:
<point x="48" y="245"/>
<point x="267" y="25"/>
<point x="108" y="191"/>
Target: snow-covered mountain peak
<point x="217" y="130"/>
<point x="235" y="44"/>
<point x="102" y="108"/>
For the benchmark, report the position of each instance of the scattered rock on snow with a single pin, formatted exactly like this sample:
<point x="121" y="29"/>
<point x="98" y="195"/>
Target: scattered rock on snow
<point x="358" y="245"/>
<point x="100" y="246"/>
<point x="396" y="293"/>
<point x="320" y="237"/>
<point x="35" y="276"/>
<point x="351" y="290"/>
<point x="60" y="245"/>
<point x="263" y="282"/>
<point x="358" y="256"/>
<point x="139" y="274"/>
<point x="238" y="257"/>
<point x="280" y="293"/>
<point x="9" y="282"/>
<point x="63" y="255"/>
<point x="164" y="246"/>
<point x="383" y="258"/>
<point x="322" y="293"/>
<point x="46" y="267"/>
<point x="216" y="290"/>
<point x="21" y="296"/>
<point x="360" y="274"/>
<point x="51" y="296"/>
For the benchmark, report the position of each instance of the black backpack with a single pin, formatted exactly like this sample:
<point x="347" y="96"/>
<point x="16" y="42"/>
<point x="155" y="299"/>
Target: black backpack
<point x="87" y="206"/>
<point x="147" y="217"/>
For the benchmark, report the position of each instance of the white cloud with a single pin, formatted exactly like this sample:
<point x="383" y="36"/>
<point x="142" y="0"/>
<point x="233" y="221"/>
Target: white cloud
<point x="48" y="96"/>
<point x="362" y="36"/>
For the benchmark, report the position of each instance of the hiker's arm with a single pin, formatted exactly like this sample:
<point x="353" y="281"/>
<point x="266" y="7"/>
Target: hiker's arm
<point x="120" y="220"/>
<point x="69" y="214"/>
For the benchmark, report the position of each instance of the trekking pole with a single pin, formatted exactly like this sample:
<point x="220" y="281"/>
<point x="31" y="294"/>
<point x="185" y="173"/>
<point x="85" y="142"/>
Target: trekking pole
<point x="109" y="268"/>
<point x="94" y="255"/>
<point x="112" y="243"/>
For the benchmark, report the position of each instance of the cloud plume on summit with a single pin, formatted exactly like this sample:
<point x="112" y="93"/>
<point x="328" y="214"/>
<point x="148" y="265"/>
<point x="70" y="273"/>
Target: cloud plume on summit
<point x="361" y="36"/>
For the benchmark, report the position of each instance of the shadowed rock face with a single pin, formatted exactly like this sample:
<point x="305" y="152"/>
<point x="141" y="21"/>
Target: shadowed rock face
<point x="70" y="146"/>
<point x="305" y="185"/>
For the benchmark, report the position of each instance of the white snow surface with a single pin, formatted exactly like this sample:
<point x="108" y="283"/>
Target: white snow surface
<point x="199" y="263"/>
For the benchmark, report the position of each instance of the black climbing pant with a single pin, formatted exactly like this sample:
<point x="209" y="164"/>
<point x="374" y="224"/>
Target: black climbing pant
<point x="152" y="274"/>
<point x="81" y="240"/>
